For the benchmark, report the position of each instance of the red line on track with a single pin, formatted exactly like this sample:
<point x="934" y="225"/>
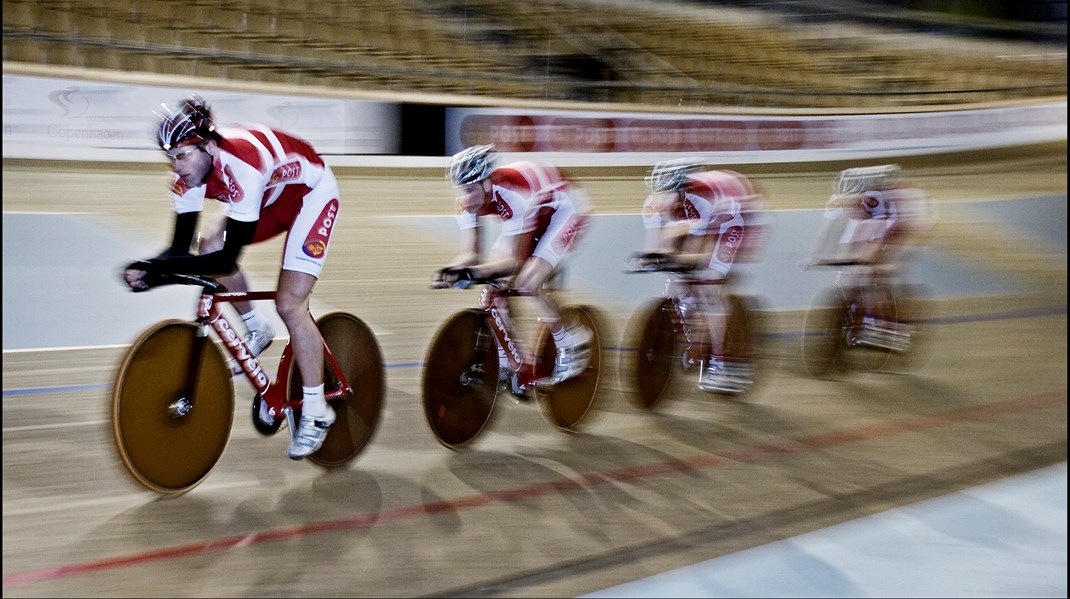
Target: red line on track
<point x="745" y="454"/>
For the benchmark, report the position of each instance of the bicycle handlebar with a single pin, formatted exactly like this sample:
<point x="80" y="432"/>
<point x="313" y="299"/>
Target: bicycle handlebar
<point x="209" y="285"/>
<point x="465" y="279"/>
<point x="656" y="262"/>
<point x="806" y="265"/>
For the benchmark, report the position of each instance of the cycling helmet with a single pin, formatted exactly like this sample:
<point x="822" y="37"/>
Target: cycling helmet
<point x="470" y="165"/>
<point x="857" y="180"/>
<point x="671" y="175"/>
<point x="191" y="123"/>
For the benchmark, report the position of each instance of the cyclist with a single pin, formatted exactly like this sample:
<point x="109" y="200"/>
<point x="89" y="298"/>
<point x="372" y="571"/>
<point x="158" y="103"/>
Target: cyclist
<point x="543" y="215"/>
<point x="703" y="221"/>
<point x="270" y="182"/>
<point x="874" y="219"/>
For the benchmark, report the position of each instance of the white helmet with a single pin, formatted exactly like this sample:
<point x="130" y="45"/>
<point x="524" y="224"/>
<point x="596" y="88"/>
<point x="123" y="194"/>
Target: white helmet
<point x="470" y="165"/>
<point x="857" y="180"/>
<point x="671" y="175"/>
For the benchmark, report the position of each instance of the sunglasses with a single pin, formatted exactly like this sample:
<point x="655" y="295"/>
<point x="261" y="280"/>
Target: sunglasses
<point x="182" y="155"/>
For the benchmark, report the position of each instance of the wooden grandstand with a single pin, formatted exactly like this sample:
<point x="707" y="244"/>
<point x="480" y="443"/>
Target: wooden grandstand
<point x="607" y="51"/>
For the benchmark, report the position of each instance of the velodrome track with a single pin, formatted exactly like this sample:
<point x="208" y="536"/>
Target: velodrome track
<point x="527" y="511"/>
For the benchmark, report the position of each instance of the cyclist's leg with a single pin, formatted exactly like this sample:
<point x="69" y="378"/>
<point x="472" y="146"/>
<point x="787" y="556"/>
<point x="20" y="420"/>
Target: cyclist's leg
<point x="565" y="403"/>
<point x="260" y="333"/>
<point x="360" y="362"/>
<point x="306" y="249"/>
<point x="570" y="343"/>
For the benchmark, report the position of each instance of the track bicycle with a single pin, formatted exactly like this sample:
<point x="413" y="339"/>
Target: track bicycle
<point x="862" y="323"/>
<point x="172" y="405"/>
<point x="461" y="379"/>
<point x="665" y="336"/>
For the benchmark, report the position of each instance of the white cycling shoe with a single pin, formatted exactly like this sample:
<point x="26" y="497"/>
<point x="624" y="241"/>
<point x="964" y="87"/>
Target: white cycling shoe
<point x="310" y="435"/>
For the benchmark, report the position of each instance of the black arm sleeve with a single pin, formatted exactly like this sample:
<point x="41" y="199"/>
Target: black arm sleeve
<point x="239" y="234"/>
<point x="185" y="227"/>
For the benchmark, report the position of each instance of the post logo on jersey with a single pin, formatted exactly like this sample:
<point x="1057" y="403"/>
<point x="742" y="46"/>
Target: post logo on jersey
<point x="504" y="211"/>
<point x="235" y="194"/>
<point x="284" y="173"/>
<point x="730" y="242"/>
<point x="690" y="211"/>
<point x="315" y="245"/>
<point x="571" y="233"/>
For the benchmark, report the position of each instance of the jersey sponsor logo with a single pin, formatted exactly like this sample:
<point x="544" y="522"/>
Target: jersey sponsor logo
<point x="502" y="207"/>
<point x="315" y="248"/>
<point x="870" y="201"/>
<point x="315" y="244"/>
<point x="284" y="173"/>
<point x="730" y="242"/>
<point x="571" y="233"/>
<point x="235" y="194"/>
<point x="690" y="211"/>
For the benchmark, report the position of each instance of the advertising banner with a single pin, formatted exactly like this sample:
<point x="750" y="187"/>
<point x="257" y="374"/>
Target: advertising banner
<point x="72" y="119"/>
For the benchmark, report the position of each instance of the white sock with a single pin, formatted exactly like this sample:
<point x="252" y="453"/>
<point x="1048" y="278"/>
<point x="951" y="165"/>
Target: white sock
<point x="253" y="320"/>
<point x="314" y="403"/>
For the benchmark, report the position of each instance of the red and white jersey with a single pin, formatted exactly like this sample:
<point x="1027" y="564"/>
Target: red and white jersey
<point x="525" y="195"/>
<point x="257" y="167"/>
<point x="713" y="198"/>
<point x="893" y="211"/>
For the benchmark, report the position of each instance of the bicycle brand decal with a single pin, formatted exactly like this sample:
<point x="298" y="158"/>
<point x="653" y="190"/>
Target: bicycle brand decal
<point x="205" y="309"/>
<point x="241" y="353"/>
<point x="315" y="244"/>
<point x="502" y="326"/>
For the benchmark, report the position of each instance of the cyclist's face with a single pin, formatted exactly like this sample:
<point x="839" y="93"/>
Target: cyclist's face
<point x="470" y="197"/>
<point x="666" y="202"/>
<point x="191" y="164"/>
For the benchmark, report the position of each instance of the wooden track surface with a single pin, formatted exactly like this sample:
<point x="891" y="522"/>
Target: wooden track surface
<point x="528" y="511"/>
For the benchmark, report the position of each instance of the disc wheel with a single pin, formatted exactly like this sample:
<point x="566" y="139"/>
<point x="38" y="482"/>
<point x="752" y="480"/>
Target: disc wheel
<point x="650" y="355"/>
<point x="824" y="331"/>
<point x="741" y="345"/>
<point x="170" y="436"/>
<point x="565" y="404"/>
<point x="460" y="379"/>
<point x="357" y="415"/>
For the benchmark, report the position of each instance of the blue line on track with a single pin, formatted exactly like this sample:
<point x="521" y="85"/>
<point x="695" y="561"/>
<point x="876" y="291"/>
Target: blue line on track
<point x="1033" y="313"/>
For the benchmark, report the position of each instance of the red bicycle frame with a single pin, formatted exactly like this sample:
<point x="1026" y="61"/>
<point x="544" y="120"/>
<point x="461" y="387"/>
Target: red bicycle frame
<point x="210" y="313"/>
<point x="494" y="304"/>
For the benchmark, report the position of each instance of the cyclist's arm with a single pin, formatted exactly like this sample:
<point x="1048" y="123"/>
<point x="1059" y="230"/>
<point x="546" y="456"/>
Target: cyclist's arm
<point x="238" y="235"/>
<point x="182" y="238"/>
<point x="695" y="251"/>
<point x="469" y="254"/>
<point x="502" y="260"/>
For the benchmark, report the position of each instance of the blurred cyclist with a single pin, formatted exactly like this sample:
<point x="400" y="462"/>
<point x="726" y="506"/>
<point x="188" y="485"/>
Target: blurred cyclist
<point x="543" y="217"/>
<point x="874" y="219"/>
<point x="703" y="222"/>
<point x="271" y="182"/>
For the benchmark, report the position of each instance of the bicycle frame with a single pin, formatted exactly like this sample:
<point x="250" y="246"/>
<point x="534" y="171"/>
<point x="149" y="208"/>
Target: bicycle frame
<point x="493" y="301"/>
<point x="692" y="352"/>
<point x="210" y="313"/>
